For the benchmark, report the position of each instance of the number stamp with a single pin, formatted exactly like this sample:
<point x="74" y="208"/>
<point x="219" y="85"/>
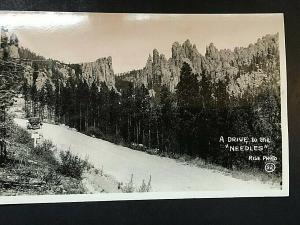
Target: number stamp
<point x="270" y="167"/>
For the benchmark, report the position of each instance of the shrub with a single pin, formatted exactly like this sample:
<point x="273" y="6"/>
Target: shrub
<point x="129" y="187"/>
<point x="52" y="177"/>
<point x="71" y="165"/>
<point x="154" y="151"/>
<point x="145" y="187"/>
<point x="117" y="139"/>
<point x="93" y="131"/>
<point x="46" y="151"/>
<point x="21" y="136"/>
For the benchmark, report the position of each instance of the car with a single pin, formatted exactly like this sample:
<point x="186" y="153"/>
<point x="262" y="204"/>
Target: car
<point x="34" y="123"/>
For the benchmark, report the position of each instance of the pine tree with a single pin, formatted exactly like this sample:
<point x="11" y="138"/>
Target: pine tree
<point x="58" y="101"/>
<point x="11" y="77"/>
<point x="42" y="102"/>
<point x="34" y="92"/>
<point x="168" y="118"/>
<point x="82" y="96"/>
<point x="114" y="112"/>
<point x="26" y="94"/>
<point x="141" y="109"/>
<point x="49" y="97"/>
<point x="66" y="102"/>
<point x="105" y="108"/>
<point x="94" y="107"/>
<point x="72" y="89"/>
<point x="188" y="101"/>
<point x="127" y="105"/>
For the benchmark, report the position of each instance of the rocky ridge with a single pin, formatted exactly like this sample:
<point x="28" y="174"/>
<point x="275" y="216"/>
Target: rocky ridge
<point x="219" y="65"/>
<point x="44" y="69"/>
<point x="8" y="46"/>
<point x="99" y="71"/>
<point x="242" y="69"/>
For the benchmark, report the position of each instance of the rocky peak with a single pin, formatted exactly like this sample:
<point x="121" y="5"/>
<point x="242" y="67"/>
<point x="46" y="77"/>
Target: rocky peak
<point x="13" y="40"/>
<point x="9" y="46"/>
<point x="212" y="52"/>
<point x="4" y="37"/>
<point x="146" y="74"/>
<point x="176" y="53"/>
<point x="149" y="64"/>
<point x="175" y="49"/>
<point x="160" y="71"/>
<point x="187" y="48"/>
<point x="149" y="60"/>
<point x="162" y="59"/>
<point x="99" y="71"/>
<point x="155" y="57"/>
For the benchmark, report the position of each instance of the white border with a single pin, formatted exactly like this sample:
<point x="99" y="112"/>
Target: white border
<point x="284" y="112"/>
<point x="28" y="199"/>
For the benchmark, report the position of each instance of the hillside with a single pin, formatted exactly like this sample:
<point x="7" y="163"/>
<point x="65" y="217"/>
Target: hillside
<point x="39" y="70"/>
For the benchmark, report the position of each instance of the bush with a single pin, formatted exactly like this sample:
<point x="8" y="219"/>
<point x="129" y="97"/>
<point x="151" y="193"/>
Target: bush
<point x="93" y="131"/>
<point x="51" y="177"/>
<point x="96" y="132"/>
<point x="46" y="151"/>
<point x="129" y="187"/>
<point x="22" y="136"/>
<point x="139" y="147"/>
<point x="145" y="187"/>
<point x="71" y="165"/>
<point x="117" y="139"/>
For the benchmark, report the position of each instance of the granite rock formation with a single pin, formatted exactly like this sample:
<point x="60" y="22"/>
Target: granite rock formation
<point x="99" y="71"/>
<point x="241" y="69"/>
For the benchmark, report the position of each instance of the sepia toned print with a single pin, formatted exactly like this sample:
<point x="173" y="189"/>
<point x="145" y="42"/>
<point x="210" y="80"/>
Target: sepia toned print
<point x="141" y="106"/>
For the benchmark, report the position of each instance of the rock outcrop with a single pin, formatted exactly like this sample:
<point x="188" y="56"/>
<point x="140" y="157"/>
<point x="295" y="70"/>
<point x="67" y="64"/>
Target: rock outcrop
<point x="99" y="71"/>
<point x="242" y="69"/>
<point x="8" y="46"/>
<point x="159" y="71"/>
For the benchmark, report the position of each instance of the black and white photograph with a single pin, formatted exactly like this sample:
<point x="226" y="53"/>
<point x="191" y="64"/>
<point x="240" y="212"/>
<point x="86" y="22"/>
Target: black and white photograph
<point x="124" y="106"/>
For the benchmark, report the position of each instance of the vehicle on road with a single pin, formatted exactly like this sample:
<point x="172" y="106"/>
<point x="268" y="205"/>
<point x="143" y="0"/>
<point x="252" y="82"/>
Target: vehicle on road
<point x="34" y="123"/>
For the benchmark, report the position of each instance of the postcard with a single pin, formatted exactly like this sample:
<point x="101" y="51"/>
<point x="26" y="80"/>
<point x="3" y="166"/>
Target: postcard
<point x="122" y="106"/>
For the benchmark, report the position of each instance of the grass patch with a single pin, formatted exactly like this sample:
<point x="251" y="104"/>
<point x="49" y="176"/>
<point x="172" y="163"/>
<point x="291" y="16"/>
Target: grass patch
<point x="130" y="187"/>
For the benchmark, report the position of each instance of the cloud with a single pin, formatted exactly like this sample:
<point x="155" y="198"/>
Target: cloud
<point x="146" y="17"/>
<point x="40" y="19"/>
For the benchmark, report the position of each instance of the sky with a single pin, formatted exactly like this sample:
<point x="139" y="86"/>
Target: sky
<point x="130" y="38"/>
